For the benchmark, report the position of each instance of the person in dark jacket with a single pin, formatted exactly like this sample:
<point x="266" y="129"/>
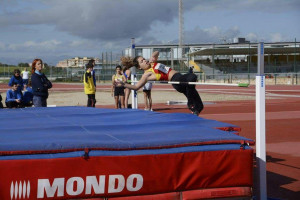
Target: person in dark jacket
<point x="1" y="104"/>
<point x="40" y="84"/>
<point x="89" y="86"/>
<point x="27" y="95"/>
<point x="16" y="78"/>
<point x="93" y="62"/>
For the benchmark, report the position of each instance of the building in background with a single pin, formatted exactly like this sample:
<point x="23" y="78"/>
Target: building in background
<point x="78" y="62"/>
<point x="236" y="57"/>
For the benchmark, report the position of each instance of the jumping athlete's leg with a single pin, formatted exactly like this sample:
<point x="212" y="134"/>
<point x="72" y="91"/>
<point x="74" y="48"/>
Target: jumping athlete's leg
<point x="193" y="94"/>
<point x="182" y="89"/>
<point x="194" y="101"/>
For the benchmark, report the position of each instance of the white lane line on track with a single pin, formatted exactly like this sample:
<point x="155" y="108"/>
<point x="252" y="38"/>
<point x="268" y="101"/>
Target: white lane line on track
<point x="283" y="90"/>
<point x="251" y="116"/>
<point x="283" y="95"/>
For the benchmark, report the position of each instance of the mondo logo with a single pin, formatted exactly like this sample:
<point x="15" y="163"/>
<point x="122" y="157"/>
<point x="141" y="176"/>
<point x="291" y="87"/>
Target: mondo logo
<point x="20" y="190"/>
<point x="73" y="186"/>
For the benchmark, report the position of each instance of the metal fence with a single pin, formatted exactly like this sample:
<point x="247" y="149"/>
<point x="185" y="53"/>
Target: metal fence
<point x="105" y="75"/>
<point x="250" y="78"/>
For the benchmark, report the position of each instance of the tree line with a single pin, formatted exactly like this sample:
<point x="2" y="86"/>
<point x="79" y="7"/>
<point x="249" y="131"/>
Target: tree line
<point x="6" y="69"/>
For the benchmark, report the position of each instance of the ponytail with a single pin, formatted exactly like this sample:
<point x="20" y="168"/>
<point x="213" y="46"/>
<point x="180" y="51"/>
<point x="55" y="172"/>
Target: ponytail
<point x="128" y="62"/>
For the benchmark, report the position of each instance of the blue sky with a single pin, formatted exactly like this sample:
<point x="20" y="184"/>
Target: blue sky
<point x="54" y="30"/>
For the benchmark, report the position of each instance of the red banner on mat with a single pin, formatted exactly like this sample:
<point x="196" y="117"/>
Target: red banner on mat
<point x="112" y="176"/>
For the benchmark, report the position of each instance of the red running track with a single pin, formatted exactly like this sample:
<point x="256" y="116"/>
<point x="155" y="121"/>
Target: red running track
<point x="282" y="132"/>
<point x="282" y="127"/>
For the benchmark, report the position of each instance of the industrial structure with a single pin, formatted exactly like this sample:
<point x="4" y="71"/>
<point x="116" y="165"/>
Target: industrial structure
<point x="238" y="57"/>
<point x="76" y="62"/>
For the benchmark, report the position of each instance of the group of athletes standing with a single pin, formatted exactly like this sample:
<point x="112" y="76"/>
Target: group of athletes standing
<point x="118" y="91"/>
<point x="153" y="71"/>
<point x="121" y="93"/>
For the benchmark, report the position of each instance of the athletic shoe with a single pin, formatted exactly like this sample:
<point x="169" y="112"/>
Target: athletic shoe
<point x="196" y="113"/>
<point x="191" y="108"/>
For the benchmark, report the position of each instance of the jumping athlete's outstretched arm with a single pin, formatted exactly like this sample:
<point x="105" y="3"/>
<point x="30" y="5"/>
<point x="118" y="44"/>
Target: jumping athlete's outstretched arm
<point x="145" y="78"/>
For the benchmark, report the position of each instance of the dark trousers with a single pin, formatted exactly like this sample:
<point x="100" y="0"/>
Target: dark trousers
<point x="1" y="105"/>
<point x="91" y="100"/>
<point x="39" y="101"/>
<point x="13" y="104"/>
<point x="194" y="100"/>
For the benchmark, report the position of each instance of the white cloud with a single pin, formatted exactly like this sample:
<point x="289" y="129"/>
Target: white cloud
<point x="93" y="26"/>
<point x="252" y="37"/>
<point x="214" y="31"/>
<point x="91" y="19"/>
<point x="118" y="20"/>
<point x="78" y="43"/>
<point x="276" y="37"/>
<point x="32" y="45"/>
<point x="211" y="35"/>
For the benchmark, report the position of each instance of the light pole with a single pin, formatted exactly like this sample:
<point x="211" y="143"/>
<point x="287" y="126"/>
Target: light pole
<point x="111" y="61"/>
<point x="213" y="61"/>
<point x="50" y="65"/>
<point x="295" y="58"/>
<point x="134" y="94"/>
<point x="295" y="64"/>
<point x="249" y="63"/>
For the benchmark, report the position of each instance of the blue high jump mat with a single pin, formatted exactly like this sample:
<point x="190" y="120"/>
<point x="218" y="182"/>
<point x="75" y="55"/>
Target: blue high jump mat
<point x="80" y="152"/>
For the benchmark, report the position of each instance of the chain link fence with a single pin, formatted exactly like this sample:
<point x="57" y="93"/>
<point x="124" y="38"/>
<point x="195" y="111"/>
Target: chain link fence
<point x="104" y="74"/>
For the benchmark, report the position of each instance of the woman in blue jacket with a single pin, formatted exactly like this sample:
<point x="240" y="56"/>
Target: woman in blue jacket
<point x="16" y="78"/>
<point x="40" y="84"/>
<point x="13" y="97"/>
